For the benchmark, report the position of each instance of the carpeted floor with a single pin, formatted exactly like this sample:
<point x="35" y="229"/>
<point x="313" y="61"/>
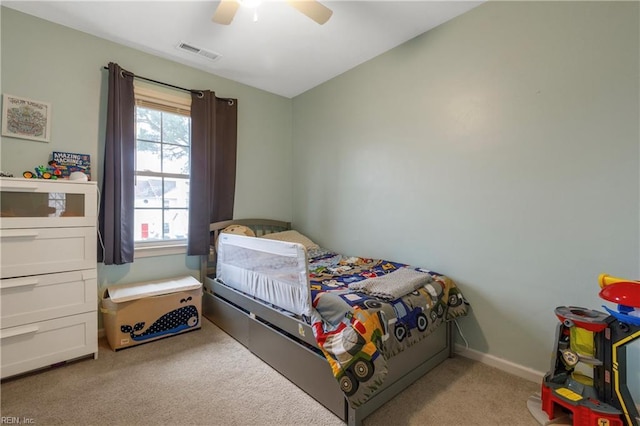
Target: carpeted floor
<point x="207" y="378"/>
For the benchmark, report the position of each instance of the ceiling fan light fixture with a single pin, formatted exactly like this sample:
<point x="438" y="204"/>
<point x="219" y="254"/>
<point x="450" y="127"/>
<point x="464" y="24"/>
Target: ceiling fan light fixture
<point x="250" y="4"/>
<point x="313" y="9"/>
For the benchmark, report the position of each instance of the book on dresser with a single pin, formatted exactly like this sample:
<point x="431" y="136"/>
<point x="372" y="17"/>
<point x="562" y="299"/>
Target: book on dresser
<point x="48" y="275"/>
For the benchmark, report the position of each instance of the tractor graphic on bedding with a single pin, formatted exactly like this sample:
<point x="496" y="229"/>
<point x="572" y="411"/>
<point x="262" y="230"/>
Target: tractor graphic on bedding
<point x="360" y="343"/>
<point x="352" y="347"/>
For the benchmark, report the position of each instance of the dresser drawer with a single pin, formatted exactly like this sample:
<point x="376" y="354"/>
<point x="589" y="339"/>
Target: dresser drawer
<point x="38" y="203"/>
<point x="41" y="344"/>
<point x="41" y="297"/>
<point x="46" y="250"/>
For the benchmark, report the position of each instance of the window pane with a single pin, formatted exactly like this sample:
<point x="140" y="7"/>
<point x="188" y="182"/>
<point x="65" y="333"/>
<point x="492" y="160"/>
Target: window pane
<point x="176" y="224"/>
<point x="148" y="156"/>
<point x="148" y="124"/>
<point x="176" y="193"/>
<point x="175" y="129"/>
<point x="148" y="225"/>
<point x="148" y="192"/>
<point x="175" y="159"/>
<point x="162" y="148"/>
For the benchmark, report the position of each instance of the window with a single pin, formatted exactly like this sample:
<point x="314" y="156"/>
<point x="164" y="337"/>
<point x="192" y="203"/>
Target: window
<point x="163" y="129"/>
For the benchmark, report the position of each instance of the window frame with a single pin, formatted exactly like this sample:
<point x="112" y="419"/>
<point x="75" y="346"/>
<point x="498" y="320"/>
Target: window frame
<point x="171" y="102"/>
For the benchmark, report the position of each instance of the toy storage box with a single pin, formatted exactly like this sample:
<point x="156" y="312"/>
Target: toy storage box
<point x="143" y="312"/>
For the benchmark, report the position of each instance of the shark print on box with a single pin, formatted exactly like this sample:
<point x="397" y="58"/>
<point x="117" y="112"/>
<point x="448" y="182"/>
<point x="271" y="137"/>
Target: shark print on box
<point x="170" y="323"/>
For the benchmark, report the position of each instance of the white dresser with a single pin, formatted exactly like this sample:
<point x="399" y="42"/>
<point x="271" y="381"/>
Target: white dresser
<point x="48" y="277"/>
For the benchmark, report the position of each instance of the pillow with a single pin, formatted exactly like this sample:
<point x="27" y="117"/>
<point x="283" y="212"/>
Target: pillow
<point x="235" y="229"/>
<point x="292" y="237"/>
<point x="238" y="229"/>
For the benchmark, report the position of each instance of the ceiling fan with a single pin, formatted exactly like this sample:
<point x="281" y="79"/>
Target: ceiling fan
<point x="227" y="9"/>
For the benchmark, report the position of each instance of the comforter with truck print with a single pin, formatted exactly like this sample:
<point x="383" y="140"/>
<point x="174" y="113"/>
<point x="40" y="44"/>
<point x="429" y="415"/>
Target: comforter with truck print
<point x="359" y="327"/>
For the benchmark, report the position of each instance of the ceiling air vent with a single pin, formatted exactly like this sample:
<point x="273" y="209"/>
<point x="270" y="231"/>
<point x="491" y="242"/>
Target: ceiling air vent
<point x="198" y="51"/>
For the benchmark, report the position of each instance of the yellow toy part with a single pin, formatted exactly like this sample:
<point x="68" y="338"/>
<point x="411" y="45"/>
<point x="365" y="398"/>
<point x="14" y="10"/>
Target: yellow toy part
<point x="605" y="280"/>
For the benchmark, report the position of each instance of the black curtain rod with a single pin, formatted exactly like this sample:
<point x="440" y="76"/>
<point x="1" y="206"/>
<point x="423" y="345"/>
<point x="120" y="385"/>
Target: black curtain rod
<point x="231" y="101"/>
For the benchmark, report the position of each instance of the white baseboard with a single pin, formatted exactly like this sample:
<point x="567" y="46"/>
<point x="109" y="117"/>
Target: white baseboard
<point x="501" y="364"/>
<point x="101" y="333"/>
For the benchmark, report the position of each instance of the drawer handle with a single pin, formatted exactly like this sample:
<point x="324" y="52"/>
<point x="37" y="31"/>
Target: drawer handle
<point x="19" y="234"/>
<point x="18" y="282"/>
<point x="20" y="332"/>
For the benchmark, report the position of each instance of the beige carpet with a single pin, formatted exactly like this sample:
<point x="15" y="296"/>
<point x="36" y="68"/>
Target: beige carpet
<point x="206" y="378"/>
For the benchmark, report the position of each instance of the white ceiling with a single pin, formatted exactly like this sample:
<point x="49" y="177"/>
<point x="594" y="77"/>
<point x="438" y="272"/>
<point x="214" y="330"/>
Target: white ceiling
<point x="284" y="52"/>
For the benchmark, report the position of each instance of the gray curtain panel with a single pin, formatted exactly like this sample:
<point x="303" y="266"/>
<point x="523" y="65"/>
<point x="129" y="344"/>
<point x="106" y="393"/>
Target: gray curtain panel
<point x="117" y="198"/>
<point x="214" y="123"/>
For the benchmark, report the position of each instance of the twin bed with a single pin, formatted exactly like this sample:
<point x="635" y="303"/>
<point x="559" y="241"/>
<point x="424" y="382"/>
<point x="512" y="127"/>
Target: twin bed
<point x="352" y="332"/>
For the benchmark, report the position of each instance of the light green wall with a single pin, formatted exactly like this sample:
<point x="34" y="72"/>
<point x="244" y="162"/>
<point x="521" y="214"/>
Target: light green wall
<point x="48" y="62"/>
<point x="501" y="148"/>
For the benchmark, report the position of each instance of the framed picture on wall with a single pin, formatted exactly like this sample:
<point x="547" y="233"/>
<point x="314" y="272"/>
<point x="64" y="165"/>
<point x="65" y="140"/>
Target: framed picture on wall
<point x="26" y="118"/>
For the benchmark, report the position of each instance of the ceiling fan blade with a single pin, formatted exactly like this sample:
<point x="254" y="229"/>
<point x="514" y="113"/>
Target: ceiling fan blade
<point x="312" y="9"/>
<point x="225" y="12"/>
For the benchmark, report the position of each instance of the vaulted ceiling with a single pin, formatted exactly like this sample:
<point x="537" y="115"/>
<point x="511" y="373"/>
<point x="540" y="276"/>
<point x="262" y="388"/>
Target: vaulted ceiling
<point x="273" y="47"/>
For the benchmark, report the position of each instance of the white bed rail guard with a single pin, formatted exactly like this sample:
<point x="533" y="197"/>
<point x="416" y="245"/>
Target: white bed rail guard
<point x="270" y="270"/>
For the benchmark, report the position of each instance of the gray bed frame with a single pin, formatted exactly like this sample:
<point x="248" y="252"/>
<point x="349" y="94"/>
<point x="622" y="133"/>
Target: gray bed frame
<point x="287" y="344"/>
